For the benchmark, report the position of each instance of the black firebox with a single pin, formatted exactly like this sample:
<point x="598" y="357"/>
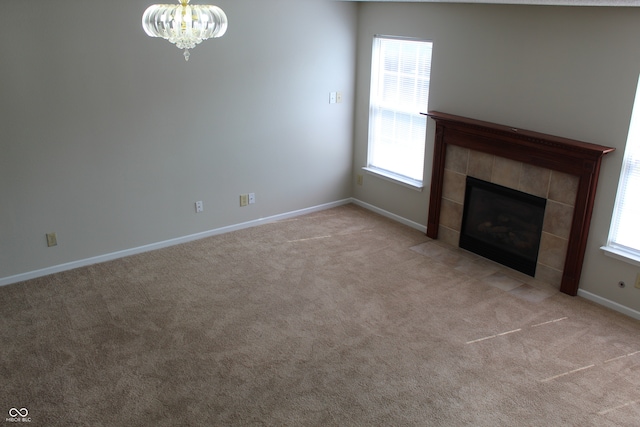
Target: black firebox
<point x="502" y="224"/>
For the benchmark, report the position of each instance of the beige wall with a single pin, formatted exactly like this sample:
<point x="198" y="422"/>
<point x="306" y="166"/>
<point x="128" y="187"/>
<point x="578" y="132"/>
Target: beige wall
<point x="566" y="71"/>
<point x="108" y="136"/>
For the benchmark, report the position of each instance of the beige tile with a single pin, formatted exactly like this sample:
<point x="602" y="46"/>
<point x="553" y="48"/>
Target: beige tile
<point x="467" y="254"/>
<point x="563" y="188"/>
<point x="478" y="269"/>
<point x="553" y="250"/>
<point x="557" y="219"/>
<point x="456" y="159"/>
<point x="444" y="253"/>
<point x="429" y="248"/>
<point x="453" y="258"/>
<point x="506" y="172"/>
<point x="453" y="186"/>
<point x="449" y="236"/>
<point x="534" y="180"/>
<point x="548" y="275"/>
<point x="544" y="286"/>
<point x="480" y="165"/>
<point x="560" y="188"/>
<point x="451" y="214"/>
<point x="502" y="281"/>
<point x="524" y="278"/>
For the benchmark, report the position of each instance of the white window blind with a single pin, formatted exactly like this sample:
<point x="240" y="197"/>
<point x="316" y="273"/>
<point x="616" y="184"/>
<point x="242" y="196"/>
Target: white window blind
<point x="400" y="76"/>
<point x="625" y="224"/>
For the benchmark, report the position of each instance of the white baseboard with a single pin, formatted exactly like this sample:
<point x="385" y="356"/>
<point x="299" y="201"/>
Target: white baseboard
<point x="609" y="304"/>
<point x="390" y="215"/>
<point x="184" y="239"/>
<point x="166" y="243"/>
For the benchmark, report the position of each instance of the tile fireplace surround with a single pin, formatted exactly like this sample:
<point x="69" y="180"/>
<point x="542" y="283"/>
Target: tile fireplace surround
<point x="563" y="171"/>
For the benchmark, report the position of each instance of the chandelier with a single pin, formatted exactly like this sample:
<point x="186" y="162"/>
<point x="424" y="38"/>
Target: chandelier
<point x="184" y="25"/>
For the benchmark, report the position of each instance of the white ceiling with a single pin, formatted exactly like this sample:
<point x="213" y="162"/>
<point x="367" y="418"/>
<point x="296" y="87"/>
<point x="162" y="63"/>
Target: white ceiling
<point x="633" y="3"/>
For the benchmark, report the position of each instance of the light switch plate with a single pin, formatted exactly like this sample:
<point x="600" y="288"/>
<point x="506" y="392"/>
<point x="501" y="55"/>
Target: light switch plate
<point x="52" y="239"/>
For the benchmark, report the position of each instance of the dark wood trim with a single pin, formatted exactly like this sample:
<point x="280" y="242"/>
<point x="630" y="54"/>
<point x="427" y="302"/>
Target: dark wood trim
<point x="437" y="178"/>
<point x="552" y="152"/>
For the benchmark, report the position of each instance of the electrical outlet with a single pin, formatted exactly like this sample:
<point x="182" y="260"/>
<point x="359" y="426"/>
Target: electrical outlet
<point x="359" y="179"/>
<point x="638" y="281"/>
<point x="252" y="198"/>
<point x="199" y="206"/>
<point x="52" y="240"/>
<point x="244" y="199"/>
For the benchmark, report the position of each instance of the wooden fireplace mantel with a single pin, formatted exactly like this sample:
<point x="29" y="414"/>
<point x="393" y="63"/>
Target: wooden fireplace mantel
<point x="560" y="154"/>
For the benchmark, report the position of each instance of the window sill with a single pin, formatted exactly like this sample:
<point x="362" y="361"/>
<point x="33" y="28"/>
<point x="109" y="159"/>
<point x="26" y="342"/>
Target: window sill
<point x="398" y="179"/>
<point x="627" y="256"/>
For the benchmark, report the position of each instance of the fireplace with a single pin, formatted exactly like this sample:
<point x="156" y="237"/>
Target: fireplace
<point x="560" y="164"/>
<point x="502" y="224"/>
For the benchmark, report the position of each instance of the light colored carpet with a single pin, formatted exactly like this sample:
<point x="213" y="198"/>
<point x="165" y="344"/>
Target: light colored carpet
<point x="338" y="318"/>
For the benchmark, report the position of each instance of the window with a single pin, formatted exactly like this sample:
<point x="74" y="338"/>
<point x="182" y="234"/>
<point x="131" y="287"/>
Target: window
<point x="400" y="73"/>
<point x="624" y="236"/>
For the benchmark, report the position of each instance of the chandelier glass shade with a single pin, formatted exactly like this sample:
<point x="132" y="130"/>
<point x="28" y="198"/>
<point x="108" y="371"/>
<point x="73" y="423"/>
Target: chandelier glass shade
<point x="184" y="25"/>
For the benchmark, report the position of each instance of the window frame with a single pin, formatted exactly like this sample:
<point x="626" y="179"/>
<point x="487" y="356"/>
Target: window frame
<point x="630" y="169"/>
<point x="376" y="65"/>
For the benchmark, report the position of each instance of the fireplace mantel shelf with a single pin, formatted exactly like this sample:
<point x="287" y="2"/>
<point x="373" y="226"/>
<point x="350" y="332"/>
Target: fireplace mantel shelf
<point x="565" y="155"/>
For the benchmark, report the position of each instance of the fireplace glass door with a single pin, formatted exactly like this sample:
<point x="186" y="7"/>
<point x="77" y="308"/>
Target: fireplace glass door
<point x="502" y="224"/>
